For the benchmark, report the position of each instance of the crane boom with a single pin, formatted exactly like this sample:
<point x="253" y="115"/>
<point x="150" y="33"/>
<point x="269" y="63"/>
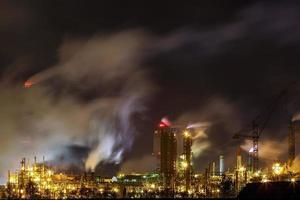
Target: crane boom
<point x="257" y="129"/>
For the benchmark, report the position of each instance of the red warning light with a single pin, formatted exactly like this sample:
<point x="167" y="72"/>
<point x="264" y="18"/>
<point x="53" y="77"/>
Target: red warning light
<point x="164" y="123"/>
<point x="161" y="124"/>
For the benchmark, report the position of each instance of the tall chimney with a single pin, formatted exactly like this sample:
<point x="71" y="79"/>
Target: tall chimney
<point x="238" y="158"/>
<point x="291" y="148"/>
<point x="213" y="168"/>
<point x="221" y="164"/>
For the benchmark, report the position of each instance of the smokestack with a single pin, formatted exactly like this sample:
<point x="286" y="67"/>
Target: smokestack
<point x="168" y="156"/>
<point x="291" y="147"/>
<point x="213" y="168"/>
<point x="8" y="178"/>
<point x="221" y="164"/>
<point x="238" y="158"/>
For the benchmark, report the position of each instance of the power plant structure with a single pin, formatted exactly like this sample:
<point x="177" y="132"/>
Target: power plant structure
<point x="165" y="150"/>
<point x="168" y="158"/>
<point x="174" y="175"/>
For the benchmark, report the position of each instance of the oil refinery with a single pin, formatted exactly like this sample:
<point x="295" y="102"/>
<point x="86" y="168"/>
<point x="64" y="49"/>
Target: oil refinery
<point x="174" y="177"/>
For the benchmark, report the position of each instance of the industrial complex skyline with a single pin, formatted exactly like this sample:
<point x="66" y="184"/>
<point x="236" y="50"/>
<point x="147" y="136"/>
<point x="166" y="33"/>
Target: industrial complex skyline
<point x="114" y="87"/>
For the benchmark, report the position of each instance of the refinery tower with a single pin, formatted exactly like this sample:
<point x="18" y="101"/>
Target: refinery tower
<point x="165" y="149"/>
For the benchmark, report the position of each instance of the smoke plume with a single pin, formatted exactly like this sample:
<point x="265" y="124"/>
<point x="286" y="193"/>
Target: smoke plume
<point x="269" y="150"/>
<point x="296" y="117"/>
<point x="41" y="121"/>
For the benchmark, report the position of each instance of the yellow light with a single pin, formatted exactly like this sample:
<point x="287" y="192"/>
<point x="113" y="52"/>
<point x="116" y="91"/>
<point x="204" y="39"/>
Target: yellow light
<point x="293" y="180"/>
<point x="184" y="164"/>
<point x="116" y="190"/>
<point x="152" y="186"/>
<point x="121" y="175"/>
<point x="12" y="180"/>
<point x="242" y="169"/>
<point x="186" y="134"/>
<point x="257" y="173"/>
<point x="264" y="180"/>
<point x="49" y="172"/>
<point x="37" y="179"/>
<point x="277" y="168"/>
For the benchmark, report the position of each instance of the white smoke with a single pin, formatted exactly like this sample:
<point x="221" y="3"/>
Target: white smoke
<point x="37" y="121"/>
<point x="296" y="117"/>
<point x="215" y="110"/>
<point x="199" y="136"/>
<point x="269" y="150"/>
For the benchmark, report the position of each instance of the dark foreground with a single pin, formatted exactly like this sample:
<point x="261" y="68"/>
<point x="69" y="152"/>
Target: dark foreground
<point x="271" y="190"/>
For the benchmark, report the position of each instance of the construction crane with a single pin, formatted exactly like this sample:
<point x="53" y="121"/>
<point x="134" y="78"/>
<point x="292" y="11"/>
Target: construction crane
<point x="259" y="124"/>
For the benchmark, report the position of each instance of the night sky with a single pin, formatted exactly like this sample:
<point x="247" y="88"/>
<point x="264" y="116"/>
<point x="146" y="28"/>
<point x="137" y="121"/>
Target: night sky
<point x="107" y="72"/>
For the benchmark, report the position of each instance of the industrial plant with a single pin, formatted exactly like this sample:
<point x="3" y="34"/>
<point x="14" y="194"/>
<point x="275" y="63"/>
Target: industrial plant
<point x="174" y="176"/>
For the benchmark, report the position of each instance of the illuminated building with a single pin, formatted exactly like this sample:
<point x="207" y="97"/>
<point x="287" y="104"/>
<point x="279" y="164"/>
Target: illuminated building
<point x="39" y="181"/>
<point x="175" y="178"/>
<point x="168" y="156"/>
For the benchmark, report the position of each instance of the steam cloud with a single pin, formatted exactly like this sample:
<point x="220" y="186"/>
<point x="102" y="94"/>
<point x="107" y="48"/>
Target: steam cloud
<point x="199" y="136"/>
<point x="216" y="110"/>
<point x="40" y="121"/>
<point x="296" y="117"/>
<point x="37" y="121"/>
<point x="269" y="150"/>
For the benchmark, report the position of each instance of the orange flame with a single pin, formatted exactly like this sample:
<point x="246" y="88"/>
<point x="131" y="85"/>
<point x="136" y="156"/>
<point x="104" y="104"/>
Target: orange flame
<point x="28" y="84"/>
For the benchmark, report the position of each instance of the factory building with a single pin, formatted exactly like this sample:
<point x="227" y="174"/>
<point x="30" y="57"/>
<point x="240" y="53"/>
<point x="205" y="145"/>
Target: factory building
<point x="168" y="157"/>
<point x="174" y="176"/>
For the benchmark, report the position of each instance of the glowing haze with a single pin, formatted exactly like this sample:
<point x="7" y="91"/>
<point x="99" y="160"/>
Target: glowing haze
<point x="39" y="122"/>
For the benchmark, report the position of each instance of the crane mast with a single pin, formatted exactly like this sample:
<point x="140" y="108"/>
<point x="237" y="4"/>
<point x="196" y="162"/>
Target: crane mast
<point x="258" y="126"/>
